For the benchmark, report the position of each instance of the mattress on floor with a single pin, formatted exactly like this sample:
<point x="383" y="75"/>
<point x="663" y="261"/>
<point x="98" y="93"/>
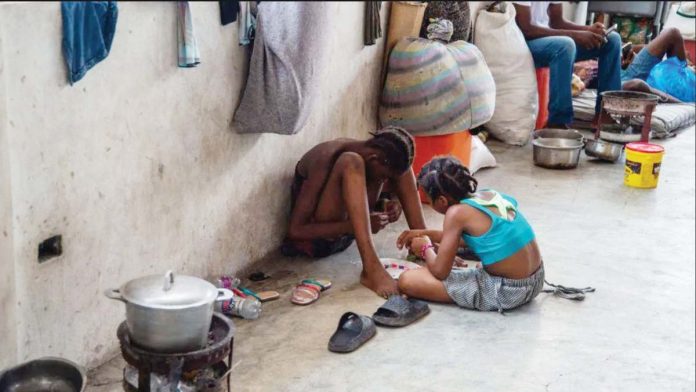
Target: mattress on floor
<point x="666" y="119"/>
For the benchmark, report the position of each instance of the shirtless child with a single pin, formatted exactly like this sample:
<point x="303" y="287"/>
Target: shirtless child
<point x="335" y="199"/>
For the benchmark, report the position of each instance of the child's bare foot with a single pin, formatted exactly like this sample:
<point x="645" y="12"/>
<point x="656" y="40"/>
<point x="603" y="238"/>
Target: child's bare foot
<point x="379" y="281"/>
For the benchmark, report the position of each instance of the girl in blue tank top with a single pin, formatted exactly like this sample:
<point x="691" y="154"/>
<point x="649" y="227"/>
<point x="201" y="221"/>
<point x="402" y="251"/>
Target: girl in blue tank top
<point x="486" y="221"/>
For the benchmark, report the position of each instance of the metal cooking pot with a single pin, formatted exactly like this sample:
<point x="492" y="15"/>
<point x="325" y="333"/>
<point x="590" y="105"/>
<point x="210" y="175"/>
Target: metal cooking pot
<point x="44" y="374"/>
<point x="169" y="313"/>
<point x="603" y="149"/>
<point x="557" y="153"/>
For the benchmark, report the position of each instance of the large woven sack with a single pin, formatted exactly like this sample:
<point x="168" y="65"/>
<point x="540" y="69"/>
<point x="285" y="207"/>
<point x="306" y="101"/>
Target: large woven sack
<point x="500" y="40"/>
<point x="433" y="88"/>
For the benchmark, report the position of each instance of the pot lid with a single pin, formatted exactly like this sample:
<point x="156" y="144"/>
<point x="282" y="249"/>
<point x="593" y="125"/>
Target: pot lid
<point x="169" y="291"/>
<point x="645" y="147"/>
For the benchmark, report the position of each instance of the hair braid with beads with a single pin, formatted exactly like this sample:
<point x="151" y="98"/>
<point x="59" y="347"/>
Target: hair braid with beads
<point x="447" y="176"/>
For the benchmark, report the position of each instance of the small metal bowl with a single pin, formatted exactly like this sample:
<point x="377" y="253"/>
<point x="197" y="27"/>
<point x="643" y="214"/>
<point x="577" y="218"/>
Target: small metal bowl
<point x="44" y="374"/>
<point x="557" y="153"/>
<point x="556" y="133"/>
<point x="603" y="149"/>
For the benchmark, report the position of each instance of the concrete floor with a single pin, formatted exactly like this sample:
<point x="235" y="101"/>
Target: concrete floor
<point x="636" y="333"/>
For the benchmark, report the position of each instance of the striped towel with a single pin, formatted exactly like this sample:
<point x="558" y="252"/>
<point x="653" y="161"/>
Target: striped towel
<point x="188" y="48"/>
<point x="436" y="89"/>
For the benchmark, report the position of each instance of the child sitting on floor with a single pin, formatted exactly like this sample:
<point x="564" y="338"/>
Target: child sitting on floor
<point x="490" y="224"/>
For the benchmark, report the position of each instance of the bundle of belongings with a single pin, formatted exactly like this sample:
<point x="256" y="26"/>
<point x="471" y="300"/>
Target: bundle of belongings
<point x="436" y="87"/>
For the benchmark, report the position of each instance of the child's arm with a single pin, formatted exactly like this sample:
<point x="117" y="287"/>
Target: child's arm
<point x="407" y="236"/>
<point x="440" y="263"/>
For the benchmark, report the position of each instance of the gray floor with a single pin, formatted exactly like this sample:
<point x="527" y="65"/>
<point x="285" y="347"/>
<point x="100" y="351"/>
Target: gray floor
<point x="636" y="333"/>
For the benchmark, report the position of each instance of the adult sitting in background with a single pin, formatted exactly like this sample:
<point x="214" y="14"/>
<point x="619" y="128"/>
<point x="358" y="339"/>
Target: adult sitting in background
<point x="557" y="44"/>
<point x="637" y="67"/>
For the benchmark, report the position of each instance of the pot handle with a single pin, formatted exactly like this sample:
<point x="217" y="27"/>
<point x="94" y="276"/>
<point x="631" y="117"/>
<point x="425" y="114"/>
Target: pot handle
<point x="114" y="294"/>
<point x="168" y="280"/>
<point x="224" y="295"/>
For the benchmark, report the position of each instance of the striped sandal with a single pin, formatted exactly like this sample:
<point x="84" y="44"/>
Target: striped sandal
<point x="308" y="291"/>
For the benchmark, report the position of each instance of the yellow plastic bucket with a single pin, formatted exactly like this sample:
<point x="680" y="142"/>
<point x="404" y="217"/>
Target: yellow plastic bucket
<point x="643" y="161"/>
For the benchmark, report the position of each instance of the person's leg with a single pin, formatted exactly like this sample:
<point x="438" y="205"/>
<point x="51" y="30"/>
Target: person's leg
<point x="643" y="87"/>
<point x="420" y="283"/>
<point x="609" y="62"/>
<point x="669" y="43"/>
<point x="558" y="54"/>
<point x="346" y="191"/>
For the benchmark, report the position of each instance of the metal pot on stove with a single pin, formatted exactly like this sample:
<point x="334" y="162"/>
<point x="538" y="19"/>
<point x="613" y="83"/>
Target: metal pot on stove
<point x="170" y="313"/>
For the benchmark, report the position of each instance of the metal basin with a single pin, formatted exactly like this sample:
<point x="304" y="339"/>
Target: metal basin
<point x="603" y="149"/>
<point x="628" y="102"/>
<point x="556" y="133"/>
<point x="557" y="153"/>
<point x="44" y="375"/>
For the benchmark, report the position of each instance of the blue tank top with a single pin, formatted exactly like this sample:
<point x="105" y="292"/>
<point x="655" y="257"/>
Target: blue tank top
<point x="505" y="237"/>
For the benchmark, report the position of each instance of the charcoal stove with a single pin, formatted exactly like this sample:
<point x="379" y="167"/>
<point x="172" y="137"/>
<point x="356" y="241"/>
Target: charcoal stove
<point x="203" y="370"/>
<point x="631" y="114"/>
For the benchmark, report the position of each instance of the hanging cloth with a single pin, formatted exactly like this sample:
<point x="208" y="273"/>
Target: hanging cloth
<point x="287" y="62"/>
<point x="88" y="31"/>
<point x="228" y="11"/>
<point x="247" y="23"/>
<point x="188" y="47"/>
<point x="373" y="22"/>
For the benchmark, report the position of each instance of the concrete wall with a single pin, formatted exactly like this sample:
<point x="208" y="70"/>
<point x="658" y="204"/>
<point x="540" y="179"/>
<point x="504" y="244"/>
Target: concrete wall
<point x="137" y="167"/>
<point x="8" y="305"/>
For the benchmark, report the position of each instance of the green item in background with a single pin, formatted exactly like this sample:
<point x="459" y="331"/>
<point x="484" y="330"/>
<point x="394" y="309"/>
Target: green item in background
<point x="634" y="30"/>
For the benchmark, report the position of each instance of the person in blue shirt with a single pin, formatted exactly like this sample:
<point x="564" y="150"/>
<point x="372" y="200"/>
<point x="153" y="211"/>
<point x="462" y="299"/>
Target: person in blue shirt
<point x="641" y="59"/>
<point x="490" y="224"/>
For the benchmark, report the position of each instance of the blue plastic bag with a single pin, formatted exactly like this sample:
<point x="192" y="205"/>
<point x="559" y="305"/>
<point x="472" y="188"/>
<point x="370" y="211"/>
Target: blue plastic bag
<point x="675" y="78"/>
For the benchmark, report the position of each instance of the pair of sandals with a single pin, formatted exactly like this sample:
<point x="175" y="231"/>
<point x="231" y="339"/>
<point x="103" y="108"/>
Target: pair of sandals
<point x="355" y="329"/>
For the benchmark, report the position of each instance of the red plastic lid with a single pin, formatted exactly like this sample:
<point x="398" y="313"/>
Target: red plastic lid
<point x="645" y="147"/>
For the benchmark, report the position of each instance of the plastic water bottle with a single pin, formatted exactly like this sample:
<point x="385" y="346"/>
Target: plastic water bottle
<point x="246" y="308"/>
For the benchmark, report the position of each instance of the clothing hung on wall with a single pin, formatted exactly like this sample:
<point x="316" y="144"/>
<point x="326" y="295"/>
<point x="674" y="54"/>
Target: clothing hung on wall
<point x="373" y="22"/>
<point x="188" y="47"/>
<point x="285" y="67"/>
<point x="228" y="11"/>
<point x="247" y="23"/>
<point x="88" y="31"/>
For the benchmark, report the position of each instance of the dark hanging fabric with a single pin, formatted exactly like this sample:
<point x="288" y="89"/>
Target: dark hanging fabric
<point x="88" y="31"/>
<point x="228" y="11"/>
<point x="373" y="25"/>
<point x="456" y="12"/>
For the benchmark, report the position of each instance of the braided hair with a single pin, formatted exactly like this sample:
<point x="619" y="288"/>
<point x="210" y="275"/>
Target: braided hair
<point x="446" y="176"/>
<point x="397" y="145"/>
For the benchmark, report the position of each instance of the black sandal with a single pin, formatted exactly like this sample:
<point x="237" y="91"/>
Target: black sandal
<point x="400" y="312"/>
<point x="353" y="330"/>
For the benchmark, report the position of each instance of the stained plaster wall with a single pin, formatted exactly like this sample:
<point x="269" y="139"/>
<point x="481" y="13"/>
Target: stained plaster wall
<point x="138" y="168"/>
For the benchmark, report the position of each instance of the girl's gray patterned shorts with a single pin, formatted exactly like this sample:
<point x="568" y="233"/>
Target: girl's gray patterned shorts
<point x="476" y="289"/>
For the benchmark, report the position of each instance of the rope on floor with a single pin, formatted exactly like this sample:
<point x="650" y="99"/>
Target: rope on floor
<point x="571" y="293"/>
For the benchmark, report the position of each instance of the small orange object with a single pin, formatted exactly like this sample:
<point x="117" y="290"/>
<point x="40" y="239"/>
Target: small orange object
<point x="455" y="144"/>
<point x="543" y="75"/>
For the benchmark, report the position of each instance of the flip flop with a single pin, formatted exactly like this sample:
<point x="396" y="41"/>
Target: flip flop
<point x="308" y="291"/>
<point x="353" y="330"/>
<point x="400" y="312"/>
